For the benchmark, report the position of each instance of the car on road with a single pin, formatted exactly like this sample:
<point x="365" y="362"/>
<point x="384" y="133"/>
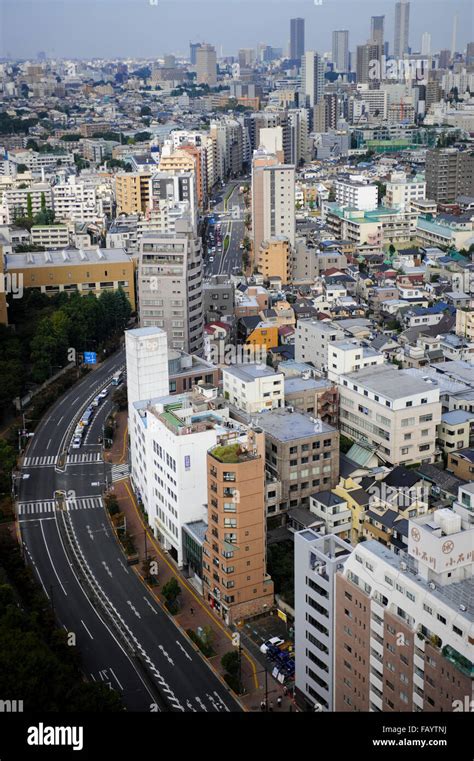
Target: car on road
<point x="211" y="259"/>
<point x="76" y="442"/>
<point x="96" y="401"/>
<point x="103" y="393"/>
<point x="273" y="642"/>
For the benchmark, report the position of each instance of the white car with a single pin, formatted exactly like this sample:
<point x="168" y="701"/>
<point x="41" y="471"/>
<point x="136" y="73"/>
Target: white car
<point x="96" y="402"/>
<point x="76" y="442"/>
<point x="103" y="393"/>
<point x="275" y="641"/>
<point x="211" y="259"/>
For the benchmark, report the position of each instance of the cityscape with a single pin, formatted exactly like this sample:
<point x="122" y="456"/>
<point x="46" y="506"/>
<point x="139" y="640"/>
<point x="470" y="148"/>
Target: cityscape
<point x="237" y="367"/>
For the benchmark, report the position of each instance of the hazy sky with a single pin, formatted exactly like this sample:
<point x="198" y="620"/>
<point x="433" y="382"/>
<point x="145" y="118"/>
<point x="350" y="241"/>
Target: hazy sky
<point x="121" y="28"/>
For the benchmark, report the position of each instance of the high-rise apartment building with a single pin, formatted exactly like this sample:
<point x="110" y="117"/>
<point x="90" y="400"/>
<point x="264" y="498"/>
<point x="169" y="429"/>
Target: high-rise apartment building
<point x="402" y="28"/>
<point x="377" y="33"/>
<point x="273" y="199"/>
<point x="340" y="50"/>
<point x="170" y="286"/>
<point x="206" y="65"/>
<point x="296" y="38"/>
<point x="449" y="174"/>
<point x="132" y="192"/>
<point x="312" y="77"/>
<point x="367" y="71"/>
<point x="317" y="560"/>
<point x="235" y="580"/>
<point x="404" y="621"/>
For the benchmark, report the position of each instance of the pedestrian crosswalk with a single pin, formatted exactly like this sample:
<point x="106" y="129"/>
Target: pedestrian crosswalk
<point x="90" y="457"/>
<point x="119" y="472"/>
<point x="50" y="505"/>
<point x="44" y="460"/>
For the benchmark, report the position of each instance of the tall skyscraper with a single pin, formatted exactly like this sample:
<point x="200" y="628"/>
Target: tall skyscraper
<point x="193" y="47"/>
<point x="402" y="25"/>
<point x="296" y="38"/>
<point x="377" y="30"/>
<point x="312" y="77"/>
<point x="426" y="43"/>
<point x="206" y="65"/>
<point x="340" y="50"/>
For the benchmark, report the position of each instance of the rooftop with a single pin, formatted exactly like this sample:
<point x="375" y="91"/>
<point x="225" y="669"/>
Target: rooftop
<point x="251" y="372"/>
<point x="391" y="383"/>
<point x="291" y="426"/>
<point x="67" y="256"/>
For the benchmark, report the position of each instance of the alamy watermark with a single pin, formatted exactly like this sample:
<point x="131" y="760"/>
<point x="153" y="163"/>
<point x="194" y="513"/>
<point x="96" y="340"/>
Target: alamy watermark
<point x="399" y="69"/>
<point x="12" y="283"/>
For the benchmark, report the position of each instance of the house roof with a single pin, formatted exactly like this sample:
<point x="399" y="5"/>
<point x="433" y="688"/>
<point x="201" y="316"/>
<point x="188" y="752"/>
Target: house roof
<point x="401" y="477"/>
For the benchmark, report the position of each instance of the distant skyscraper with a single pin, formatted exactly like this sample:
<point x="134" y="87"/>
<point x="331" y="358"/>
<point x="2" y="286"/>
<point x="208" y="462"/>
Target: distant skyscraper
<point x="377" y="30"/>
<point x="426" y="43"/>
<point x="340" y="50"/>
<point x="296" y="38"/>
<point x="193" y="47"/>
<point x="312" y="77"/>
<point x="470" y="53"/>
<point x="402" y="25"/>
<point x="444" y="58"/>
<point x="206" y="65"/>
<point x="454" y="36"/>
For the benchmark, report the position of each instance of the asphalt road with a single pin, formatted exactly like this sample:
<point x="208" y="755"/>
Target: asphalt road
<point x="232" y="222"/>
<point x="172" y="667"/>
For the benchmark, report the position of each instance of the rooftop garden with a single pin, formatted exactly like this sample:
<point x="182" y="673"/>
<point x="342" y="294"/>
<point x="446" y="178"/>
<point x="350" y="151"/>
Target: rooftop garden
<point x="231" y="453"/>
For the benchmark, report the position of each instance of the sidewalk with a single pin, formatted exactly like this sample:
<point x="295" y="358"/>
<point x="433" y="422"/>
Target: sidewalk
<point x="253" y="676"/>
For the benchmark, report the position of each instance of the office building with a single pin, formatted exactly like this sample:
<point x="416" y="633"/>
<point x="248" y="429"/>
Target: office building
<point x="274" y="259"/>
<point x="312" y="78"/>
<point x="170" y="286"/>
<point x="296" y="38"/>
<point x="340" y="50"/>
<point x="317" y="559"/>
<point x="377" y="33"/>
<point x="235" y="580"/>
<point x="193" y="48"/>
<point x="93" y="270"/>
<point x="396" y="411"/>
<point x="146" y="351"/>
<point x="206" y="65"/>
<point x="426" y="43"/>
<point x="404" y="621"/>
<point x="402" y="28"/>
<point x="273" y="199"/>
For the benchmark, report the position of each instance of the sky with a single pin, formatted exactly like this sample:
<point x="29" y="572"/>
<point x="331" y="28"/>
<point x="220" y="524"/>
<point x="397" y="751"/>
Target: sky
<point x="151" y="28"/>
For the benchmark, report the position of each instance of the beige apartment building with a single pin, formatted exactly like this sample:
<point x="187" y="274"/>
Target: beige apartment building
<point x="465" y="324"/>
<point x="274" y="259"/>
<point x="132" y="191"/>
<point x="395" y="410"/>
<point x="235" y="581"/>
<point x="273" y="199"/>
<point x="206" y="65"/>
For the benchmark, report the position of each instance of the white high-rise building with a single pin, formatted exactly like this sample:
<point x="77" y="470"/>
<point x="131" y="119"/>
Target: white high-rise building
<point x="402" y="27"/>
<point x="426" y="43"/>
<point x="340" y="50"/>
<point x="273" y="199"/>
<point x="312" y="77"/>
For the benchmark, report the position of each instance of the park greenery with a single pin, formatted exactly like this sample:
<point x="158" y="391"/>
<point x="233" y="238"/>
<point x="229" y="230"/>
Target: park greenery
<point x="48" y="328"/>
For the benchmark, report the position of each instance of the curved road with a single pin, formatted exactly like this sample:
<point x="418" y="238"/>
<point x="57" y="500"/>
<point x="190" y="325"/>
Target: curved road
<point x="165" y="661"/>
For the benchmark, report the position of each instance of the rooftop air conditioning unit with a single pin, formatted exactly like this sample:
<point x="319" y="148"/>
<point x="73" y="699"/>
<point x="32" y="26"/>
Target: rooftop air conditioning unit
<point x="403" y="565"/>
<point x="463" y="608"/>
<point x="432" y="585"/>
<point x="290" y="409"/>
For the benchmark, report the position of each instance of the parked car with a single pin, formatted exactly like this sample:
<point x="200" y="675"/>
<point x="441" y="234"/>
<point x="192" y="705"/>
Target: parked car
<point x="273" y="642"/>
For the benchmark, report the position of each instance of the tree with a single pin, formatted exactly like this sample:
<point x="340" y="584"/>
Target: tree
<point x="7" y="463"/>
<point x="171" y="592"/>
<point x="230" y="662"/>
<point x="29" y="206"/>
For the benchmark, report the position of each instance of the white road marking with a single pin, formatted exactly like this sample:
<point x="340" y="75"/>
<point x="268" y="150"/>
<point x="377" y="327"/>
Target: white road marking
<point x="184" y="651"/>
<point x="115" y="677"/>
<point x="51" y="560"/>
<point x="149" y="604"/>
<point x="87" y="630"/>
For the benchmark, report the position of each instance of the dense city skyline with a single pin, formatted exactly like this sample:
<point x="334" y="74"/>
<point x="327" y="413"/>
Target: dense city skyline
<point x="111" y="34"/>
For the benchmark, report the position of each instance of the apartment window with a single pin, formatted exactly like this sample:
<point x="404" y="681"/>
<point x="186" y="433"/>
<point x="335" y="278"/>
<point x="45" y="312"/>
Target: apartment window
<point x="404" y="697"/>
<point x="441" y="618"/>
